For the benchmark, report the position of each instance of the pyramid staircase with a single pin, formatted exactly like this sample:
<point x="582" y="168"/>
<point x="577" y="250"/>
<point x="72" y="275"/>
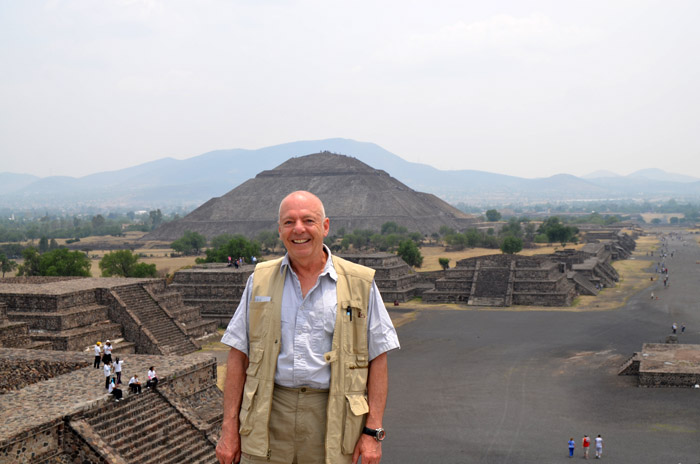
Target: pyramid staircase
<point x="170" y="337"/>
<point x="147" y="429"/>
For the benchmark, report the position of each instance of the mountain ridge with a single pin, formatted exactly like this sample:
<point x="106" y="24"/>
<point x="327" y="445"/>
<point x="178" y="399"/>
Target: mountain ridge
<point x="192" y="181"/>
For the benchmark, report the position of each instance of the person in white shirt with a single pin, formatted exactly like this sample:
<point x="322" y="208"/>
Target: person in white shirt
<point x="98" y="355"/>
<point x="115" y="391"/>
<point x="152" y="378"/>
<point x="598" y="447"/>
<point x="108" y="374"/>
<point x="107" y="357"/>
<point x="135" y="384"/>
<point x="118" y="370"/>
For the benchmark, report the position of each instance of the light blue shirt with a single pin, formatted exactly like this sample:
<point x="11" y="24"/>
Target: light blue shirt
<point x="307" y="327"/>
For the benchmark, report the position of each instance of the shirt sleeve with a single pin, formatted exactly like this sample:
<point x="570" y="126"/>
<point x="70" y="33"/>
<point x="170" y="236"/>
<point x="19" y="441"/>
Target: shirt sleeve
<point x="236" y="335"/>
<point x="381" y="334"/>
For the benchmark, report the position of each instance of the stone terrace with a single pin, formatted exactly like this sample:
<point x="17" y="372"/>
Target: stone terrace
<point x="395" y="279"/>
<point x="69" y="417"/>
<point x="215" y="288"/>
<point x="71" y="314"/>
<point x="665" y="365"/>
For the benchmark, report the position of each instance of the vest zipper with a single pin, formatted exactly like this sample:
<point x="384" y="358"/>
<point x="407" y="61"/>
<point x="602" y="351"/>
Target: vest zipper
<point x="269" y="453"/>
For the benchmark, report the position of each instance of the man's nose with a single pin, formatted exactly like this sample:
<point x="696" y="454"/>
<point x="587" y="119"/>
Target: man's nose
<point x="299" y="226"/>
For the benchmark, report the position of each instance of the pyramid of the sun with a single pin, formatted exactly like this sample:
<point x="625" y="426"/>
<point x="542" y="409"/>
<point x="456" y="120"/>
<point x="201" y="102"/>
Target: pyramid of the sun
<point x="355" y="195"/>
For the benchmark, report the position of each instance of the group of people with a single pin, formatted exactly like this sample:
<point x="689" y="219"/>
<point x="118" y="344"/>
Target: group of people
<point x="113" y="372"/>
<point x="586" y="444"/>
<point x="241" y="261"/>
<point x="102" y="353"/>
<point x="674" y="328"/>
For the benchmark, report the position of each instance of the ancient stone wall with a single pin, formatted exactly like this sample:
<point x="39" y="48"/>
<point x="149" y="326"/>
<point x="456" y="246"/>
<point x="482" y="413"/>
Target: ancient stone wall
<point x="37" y="444"/>
<point x="16" y="374"/>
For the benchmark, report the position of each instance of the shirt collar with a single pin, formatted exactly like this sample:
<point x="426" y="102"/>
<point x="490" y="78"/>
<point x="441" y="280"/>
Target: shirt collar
<point x="328" y="269"/>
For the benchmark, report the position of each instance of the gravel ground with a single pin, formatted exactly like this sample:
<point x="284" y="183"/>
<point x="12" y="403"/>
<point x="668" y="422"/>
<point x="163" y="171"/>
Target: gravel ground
<point x="486" y="386"/>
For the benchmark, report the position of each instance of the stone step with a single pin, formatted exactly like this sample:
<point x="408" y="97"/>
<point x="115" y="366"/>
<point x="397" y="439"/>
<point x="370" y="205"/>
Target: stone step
<point x="63" y="320"/>
<point x="77" y="339"/>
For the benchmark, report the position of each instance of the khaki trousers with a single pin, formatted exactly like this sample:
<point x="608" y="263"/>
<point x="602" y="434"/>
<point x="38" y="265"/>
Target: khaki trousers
<point x="297" y="427"/>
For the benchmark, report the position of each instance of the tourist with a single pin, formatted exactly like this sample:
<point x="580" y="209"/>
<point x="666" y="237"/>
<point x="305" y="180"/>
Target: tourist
<point x="98" y="355"/>
<point x="586" y="443"/>
<point x="118" y="370"/>
<point x="229" y="262"/>
<point x="135" y="384"/>
<point x="115" y="391"/>
<point x="598" y="447"/>
<point x="306" y="285"/>
<point x="107" y="369"/>
<point x="572" y="445"/>
<point x="674" y="327"/>
<point x="107" y="357"/>
<point x="254" y="260"/>
<point x="152" y="378"/>
<point x="682" y="327"/>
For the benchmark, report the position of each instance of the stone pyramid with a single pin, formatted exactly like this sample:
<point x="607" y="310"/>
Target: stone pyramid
<point x="355" y="195"/>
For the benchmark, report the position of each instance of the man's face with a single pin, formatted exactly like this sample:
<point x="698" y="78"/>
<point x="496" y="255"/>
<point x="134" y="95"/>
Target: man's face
<point x="302" y="227"/>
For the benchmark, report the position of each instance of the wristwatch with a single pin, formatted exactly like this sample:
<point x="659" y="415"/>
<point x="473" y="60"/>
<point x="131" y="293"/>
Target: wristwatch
<point x="378" y="434"/>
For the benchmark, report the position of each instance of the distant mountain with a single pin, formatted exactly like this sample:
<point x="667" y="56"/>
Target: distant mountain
<point x="168" y="182"/>
<point x="600" y="173"/>
<point x="10" y="182"/>
<point x="658" y="174"/>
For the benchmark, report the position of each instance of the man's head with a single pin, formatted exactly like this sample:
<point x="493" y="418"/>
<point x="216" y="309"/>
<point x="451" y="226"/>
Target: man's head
<point x="302" y="226"/>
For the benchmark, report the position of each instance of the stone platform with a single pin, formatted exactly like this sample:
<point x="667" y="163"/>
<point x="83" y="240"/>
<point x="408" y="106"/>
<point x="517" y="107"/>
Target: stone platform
<point x="57" y="410"/>
<point x="665" y="365"/>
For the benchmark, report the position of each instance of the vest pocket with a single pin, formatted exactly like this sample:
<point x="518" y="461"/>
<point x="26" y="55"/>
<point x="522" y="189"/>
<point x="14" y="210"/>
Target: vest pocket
<point x="258" y="316"/>
<point x="355" y="409"/>
<point x="354" y="327"/>
<point x="244" y="417"/>
<point x="356" y="375"/>
<point x="256" y="355"/>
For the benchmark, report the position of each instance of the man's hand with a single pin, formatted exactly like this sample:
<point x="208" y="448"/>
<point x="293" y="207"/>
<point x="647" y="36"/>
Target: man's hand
<point x="228" y="450"/>
<point x="369" y="448"/>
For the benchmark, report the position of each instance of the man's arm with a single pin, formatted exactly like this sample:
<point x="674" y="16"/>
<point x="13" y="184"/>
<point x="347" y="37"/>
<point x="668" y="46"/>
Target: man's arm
<point x="377" y="389"/>
<point x="228" y="450"/>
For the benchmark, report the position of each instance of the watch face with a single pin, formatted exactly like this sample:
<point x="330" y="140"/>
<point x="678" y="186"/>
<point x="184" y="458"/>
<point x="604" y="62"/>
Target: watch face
<point x="380" y="434"/>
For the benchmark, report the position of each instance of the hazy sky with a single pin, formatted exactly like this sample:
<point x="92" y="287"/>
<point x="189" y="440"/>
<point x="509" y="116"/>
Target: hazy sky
<point x="527" y="88"/>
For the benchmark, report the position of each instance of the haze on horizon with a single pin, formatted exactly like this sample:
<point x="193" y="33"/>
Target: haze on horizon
<point x="529" y="89"/>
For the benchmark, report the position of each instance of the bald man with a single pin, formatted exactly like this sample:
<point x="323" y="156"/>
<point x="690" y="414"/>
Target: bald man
<point x="307" y="377"/>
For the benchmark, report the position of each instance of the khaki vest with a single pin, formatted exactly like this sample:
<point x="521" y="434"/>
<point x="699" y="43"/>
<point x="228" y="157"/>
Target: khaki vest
<point x="349" y="359"/>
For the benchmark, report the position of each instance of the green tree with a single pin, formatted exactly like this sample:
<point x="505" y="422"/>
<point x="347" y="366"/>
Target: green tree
<point x="190" y="243"/>
<point x="43" y="244"/>
<point x="269" y="239"/>
<point x="97" y="222"/>
<point x="156" y="218"/>
<point x="6" y="264"/>
<point x="409" y="252"/>
<point x="656" y="221"/>
<point x="30" y="266"/>
<point x="124" y="263"/>
<point x="557" y="232"/>
<point x="511" y="245"/>
<point x="445" y="230"/>
<point x="444" y="263"/>
<point x="63" y="262"/>
<point x="235" y="247"/>
<point x="53" y="244"/>
<point x="492" y="215"/>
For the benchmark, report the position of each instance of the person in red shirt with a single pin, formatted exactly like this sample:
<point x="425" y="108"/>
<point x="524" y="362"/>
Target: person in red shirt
<point x="586" y="444"/>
